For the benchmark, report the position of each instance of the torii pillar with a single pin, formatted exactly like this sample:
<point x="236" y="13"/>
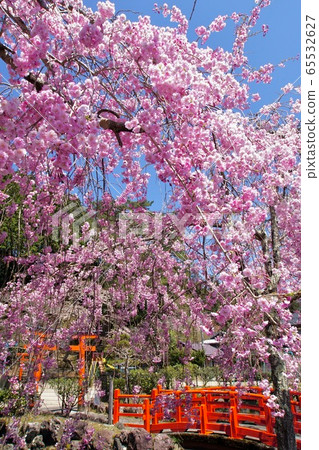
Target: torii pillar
<point x="82" y="347"/>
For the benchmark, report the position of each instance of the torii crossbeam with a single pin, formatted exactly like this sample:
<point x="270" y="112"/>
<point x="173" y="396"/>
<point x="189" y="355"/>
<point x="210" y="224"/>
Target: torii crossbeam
<point x="82" y="347"/>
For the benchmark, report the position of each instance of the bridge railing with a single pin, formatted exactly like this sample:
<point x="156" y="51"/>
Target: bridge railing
<point x="137" y="407"/>
<point x="207" y="410"/>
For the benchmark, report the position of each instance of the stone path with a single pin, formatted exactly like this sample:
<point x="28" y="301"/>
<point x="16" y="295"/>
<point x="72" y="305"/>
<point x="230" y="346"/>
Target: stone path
<point x="50" y="400"/>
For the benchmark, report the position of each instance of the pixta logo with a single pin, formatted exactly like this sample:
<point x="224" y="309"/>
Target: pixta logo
<point x="154" y="225"/>
<point x="75" y="223"/>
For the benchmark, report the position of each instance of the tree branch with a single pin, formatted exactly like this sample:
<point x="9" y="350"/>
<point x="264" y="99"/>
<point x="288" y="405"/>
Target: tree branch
<point x="194" y="6"/>
<point x="274" y="236"/>
<point x="7" y="58"/>
<point x="116" y="127"/>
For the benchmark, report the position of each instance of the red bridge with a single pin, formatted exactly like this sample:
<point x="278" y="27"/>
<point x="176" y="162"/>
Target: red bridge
<point x="207" y="410"/>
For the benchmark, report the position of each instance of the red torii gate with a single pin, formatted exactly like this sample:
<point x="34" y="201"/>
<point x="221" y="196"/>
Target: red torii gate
<point x="81" y="348"/>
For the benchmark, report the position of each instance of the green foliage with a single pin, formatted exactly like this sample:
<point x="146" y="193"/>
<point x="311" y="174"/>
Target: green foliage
<point x="210" y="373"/>
<point x="171" y="374"/>
<point x="67" y="390"/>
<point x="198" y="357"/>
<point x="176" y="351"/>
<point x="168" y="376"/>
<point x="12" y="223"/>
<point x="12" y="403"/>
<point x="13" y="227"/>
<point x="175" y="355"/>
<point x="119" y="383"/>
<point x="143" y="378"/>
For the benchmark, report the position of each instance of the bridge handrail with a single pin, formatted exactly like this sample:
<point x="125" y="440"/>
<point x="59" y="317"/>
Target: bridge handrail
<point x="207" y="410"/>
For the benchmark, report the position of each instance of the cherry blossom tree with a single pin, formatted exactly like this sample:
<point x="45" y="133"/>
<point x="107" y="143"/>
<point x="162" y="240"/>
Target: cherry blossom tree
<point x="90" y="98"/>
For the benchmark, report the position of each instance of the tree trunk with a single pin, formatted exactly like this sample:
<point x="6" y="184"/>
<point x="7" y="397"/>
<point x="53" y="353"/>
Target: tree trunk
<point x="126" y="375"/>
<point x="285" y="432"/>
<point x="286" y="439"/>
<point x="111" y="393"/>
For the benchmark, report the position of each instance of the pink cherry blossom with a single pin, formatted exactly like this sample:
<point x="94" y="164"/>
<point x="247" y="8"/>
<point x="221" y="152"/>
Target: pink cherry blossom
<point x="106" y="107"/>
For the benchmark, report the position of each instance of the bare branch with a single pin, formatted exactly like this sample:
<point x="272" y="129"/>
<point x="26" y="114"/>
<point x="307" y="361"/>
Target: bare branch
<point x="109" y="111"/>
<point x="194" y="6"/>
<point x="116" y="127"/>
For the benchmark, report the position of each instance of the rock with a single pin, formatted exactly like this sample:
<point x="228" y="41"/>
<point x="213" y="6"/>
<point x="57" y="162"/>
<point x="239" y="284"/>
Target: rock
<point x="49" y="430"/>
<point x="79" y="430"/>
<point x="117" y="444"/>
<point x="32" y="430"/>
<point x="37" y="443"/>
<point x="123" y="437"/>
<point x="136" y="439"/>
<point x="163" y="442"/>
<point x="80" y="416"/>
<point x="103" y="439"/>
<point x="119" y="425"/>
<point x="130" y="410"/>
<point x="101" y="408"/>
<point x="94" y="417"/>
<point x="99" y="418"/>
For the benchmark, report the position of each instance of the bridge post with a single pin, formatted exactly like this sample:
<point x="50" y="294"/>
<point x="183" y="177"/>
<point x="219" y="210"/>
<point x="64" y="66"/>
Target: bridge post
<point x="155" y="413"/>
<point x="203" y="419"/>
<point x="233" y="418"/>
<point x="178" y="416"/>
<point x="268" y="417"/>
<point x="116" y="406"/>
<point x="147" y="415"/>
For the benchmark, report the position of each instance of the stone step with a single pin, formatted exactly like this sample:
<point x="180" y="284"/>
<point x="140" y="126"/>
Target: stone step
<point x="50" y="399"/>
